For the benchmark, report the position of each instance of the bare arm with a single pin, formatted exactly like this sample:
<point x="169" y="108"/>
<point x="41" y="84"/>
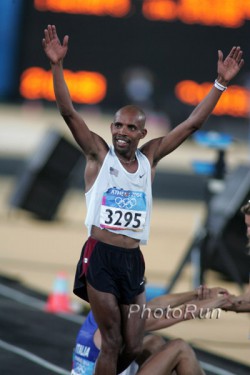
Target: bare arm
<point x="188" y="311"/>
<point x="173" y="300"/>
<point x="177" y="299"/>
<point x="189" y="304"/>
<point x="92" y="145"/>
<point x="227" y="69"/>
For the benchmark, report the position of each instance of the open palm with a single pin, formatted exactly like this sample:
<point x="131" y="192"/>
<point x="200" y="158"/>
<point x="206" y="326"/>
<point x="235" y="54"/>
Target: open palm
<point x="232" y="64"/>
<point x="54" y="50"/>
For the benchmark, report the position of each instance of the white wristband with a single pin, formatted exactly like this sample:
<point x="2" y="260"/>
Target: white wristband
<point x="219" y="86"/>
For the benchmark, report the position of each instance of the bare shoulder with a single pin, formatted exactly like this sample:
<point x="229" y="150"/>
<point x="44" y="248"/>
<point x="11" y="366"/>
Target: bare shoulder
<point x="150" y="148"/>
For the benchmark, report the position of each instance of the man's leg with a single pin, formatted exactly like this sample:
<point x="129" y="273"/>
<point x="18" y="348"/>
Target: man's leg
<point x="133" y="325"/>
<point x="108" y="318"/>
<point x="175" y="357"/>
<point x="151" y="344"/>
<point x="188" y="363"/>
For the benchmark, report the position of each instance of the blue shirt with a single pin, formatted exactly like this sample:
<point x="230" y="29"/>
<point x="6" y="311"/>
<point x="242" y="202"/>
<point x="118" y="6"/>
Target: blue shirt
<point x="85" y="352"/>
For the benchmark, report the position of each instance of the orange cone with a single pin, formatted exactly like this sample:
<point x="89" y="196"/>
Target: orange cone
<point x="59" y="301"/>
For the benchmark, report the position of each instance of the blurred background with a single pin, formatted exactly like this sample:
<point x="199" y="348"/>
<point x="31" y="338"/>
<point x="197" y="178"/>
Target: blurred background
<point x="161" y="55"/>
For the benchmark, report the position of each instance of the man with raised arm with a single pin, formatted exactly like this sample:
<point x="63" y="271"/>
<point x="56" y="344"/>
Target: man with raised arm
<point x="118" y="178"/>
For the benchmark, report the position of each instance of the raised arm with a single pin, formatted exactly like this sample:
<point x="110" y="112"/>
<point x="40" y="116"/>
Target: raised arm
<point x="92" y="145"/>
<point x="227" y="69"/>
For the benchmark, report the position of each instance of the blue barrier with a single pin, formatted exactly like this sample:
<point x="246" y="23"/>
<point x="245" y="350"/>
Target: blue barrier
<point x="153" y="291"/>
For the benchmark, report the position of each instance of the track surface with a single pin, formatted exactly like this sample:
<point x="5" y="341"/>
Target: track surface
<point x="33" y="341"/>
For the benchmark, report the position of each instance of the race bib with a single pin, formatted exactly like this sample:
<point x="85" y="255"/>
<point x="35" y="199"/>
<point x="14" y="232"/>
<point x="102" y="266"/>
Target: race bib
<point x="82" y="366"/>
<point x="123" y="209"/>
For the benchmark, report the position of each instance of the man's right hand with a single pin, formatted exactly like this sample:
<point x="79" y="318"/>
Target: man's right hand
<point x="54" y="50"/>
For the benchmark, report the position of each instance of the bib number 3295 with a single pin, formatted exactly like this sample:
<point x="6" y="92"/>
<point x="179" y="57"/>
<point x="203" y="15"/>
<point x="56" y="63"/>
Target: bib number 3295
<point x="122" y="209"/>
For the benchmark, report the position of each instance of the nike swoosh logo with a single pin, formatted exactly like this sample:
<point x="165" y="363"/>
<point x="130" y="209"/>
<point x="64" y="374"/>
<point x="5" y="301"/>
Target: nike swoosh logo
<point x="141" y="175"/>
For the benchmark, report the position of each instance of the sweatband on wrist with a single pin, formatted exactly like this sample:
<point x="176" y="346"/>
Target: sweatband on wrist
<point x="219" y="86"/>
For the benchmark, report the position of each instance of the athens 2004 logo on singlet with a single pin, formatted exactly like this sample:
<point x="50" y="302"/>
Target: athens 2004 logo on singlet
<point x="123" y="209"/>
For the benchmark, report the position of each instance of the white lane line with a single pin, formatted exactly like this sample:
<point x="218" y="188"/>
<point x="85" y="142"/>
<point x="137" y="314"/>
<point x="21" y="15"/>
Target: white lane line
<point x="33" y="358"/>
<point x="20" y="297"/>
<point x="216" y="370"/>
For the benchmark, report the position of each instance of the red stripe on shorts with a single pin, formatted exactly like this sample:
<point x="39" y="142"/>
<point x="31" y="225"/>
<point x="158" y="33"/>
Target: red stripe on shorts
<point x="89" y="247"/>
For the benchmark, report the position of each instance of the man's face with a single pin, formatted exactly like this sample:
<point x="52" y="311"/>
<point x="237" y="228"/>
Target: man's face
<point x="127" y="130"/>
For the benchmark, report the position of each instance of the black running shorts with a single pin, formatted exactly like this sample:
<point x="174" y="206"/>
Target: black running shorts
<point x="110" y="269"/>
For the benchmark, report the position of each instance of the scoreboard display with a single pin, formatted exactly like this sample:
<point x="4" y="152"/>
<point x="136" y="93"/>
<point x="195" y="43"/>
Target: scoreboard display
<point x="159" y="53"/>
